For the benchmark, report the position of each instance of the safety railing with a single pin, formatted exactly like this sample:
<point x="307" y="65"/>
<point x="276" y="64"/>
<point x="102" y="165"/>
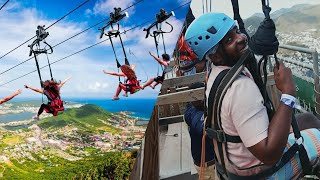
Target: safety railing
<point x="314" y="68"/>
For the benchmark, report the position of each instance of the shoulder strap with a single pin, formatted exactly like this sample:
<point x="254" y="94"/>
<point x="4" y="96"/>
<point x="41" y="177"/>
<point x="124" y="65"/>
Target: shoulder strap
<point x="303" y="156"/>
<point x="212" y="93"/>
<point x="215" y="106"/>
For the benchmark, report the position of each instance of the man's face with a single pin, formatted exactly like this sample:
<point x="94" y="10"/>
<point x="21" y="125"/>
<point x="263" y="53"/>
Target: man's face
<point x="234" y="44"/>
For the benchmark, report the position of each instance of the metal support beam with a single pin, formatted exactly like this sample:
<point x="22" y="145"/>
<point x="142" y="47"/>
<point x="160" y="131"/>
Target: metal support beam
<point x="181" y="97"/>
<point x="171" y="120"/>
<point x="183" y="80"/>
<point x="316" y="82"/>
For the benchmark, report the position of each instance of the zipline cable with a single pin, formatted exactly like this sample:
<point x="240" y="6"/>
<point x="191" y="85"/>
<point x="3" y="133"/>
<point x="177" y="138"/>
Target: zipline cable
<point x="46" y="28"/>
<point x="88" y="47"/>
<point x="4" y="4"/>
<point x="68" y="38"/>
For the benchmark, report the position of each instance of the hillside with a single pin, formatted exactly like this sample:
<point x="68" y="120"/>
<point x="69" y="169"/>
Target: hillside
<point x="80" y="143"/>
<point x="88" y="117"/>
<point x="299" y="18"/>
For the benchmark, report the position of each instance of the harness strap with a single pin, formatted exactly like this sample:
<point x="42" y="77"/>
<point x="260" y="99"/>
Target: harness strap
<point x="284" y="160"/>
<point x="114" y="52"/>
<point x="49" y="67"/>
<point x="164" y="46"/>
<point x="38" y="69"/>
<point x="303" y="156"/>
<point x="237" y="17"/>
<point x="221" y="136"/>
<point x="214" y="104"/>
<point x="156" y="43"/>
<point x="266" y="8"/>
<point x="267" y="102"/>
<point x="212" y="93"/>
<point x="126" y="61"/>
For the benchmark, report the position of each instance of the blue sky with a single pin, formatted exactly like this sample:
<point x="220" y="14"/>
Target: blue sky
<point x="18" y="22"/>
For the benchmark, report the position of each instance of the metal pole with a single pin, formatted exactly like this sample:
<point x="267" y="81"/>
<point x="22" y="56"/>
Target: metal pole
<point x="316" y="82"/>
<point x="180" y="146"/>
<point x="295" y="48"/>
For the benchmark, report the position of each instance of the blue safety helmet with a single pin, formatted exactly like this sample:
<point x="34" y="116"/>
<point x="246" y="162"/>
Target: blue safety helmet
<point x="206" y="31"/>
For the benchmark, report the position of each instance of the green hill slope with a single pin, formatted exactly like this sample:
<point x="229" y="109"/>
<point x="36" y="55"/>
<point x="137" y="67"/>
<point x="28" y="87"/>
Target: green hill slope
<point x="296" y="19"/>
<point x="88" y="117"/>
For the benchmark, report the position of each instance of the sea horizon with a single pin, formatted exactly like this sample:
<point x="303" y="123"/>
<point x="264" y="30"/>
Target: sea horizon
<point x="139" y="107"/>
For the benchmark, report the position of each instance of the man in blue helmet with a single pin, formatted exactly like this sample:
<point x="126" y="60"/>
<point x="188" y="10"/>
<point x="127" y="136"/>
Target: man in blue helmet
<point x="259" y="144"/>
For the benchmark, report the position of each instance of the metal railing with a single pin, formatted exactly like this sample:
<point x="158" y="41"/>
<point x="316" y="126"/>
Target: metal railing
<point x="314" y="68"/>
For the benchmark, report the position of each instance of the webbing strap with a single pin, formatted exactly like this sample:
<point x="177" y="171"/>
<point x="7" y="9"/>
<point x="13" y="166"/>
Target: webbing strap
<point x="221" y="136"/>
<point x="284" y="160"/>
<point x="267" y="102"/>
<point x="155" y="33"/>
<point x="212" y="93"/>
<point x="114" y="52"/>
<point x="303" y="156"/>
<point x="164" y="46"/>
<point x="46" y="52"/>
<point x="226" y="83"/>
<point x="37" y="64"/>
<point x="266" y="8"/>
<point x="237" y="17"/>
<point x="214" y="99"/>
<point x="126" y="61"/>
<point x="49" y="67"/>
<point x="307" y="169"/>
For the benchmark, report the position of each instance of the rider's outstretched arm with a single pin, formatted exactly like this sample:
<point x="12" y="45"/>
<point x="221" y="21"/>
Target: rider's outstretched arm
<point x="63" y="82"/>
<point x="34" y="89"/>
<point x="11" y="96"/>
<point x="114" y="73"/>
<point x="160" y="61"/>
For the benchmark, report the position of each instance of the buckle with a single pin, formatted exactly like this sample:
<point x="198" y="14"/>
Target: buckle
<point x="300" y="140"/>
<point x="210" y="132"/>
<point x="221" y="136"/>
<point x="218" y="135"/>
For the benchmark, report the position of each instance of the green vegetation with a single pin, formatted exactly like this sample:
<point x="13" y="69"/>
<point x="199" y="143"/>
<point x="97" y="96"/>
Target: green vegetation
<point x="112" y="165"/>
<point x="305" y="91"/>
<point x="33" y="103"/>
<point x="12" y="140"/>
<point x="2" y="146"/>
<point x="88" y="117"/>
<point x="91" y="150"/>
<point x="83" y="161"/>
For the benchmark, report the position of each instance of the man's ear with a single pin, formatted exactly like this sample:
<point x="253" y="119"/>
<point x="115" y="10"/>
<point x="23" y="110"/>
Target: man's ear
<point x="200" y="66"/>
<point x="216" y="58"/>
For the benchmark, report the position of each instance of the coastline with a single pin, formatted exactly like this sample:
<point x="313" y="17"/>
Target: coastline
<point x="141" y="108"/>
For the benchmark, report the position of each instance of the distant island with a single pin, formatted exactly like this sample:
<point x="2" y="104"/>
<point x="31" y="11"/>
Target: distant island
<point x="83" y="141"/>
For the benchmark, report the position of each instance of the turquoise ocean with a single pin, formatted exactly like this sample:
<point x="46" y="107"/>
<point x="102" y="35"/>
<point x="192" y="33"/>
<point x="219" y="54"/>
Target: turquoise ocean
<point x="141" y="108"/>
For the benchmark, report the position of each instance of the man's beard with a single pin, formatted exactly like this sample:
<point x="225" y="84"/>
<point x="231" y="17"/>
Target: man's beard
<point x="227" y="60"/>
<point x="252" y="65"/>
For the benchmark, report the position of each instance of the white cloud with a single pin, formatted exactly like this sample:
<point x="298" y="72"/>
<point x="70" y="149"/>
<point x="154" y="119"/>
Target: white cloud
<point x="88" y="80"/>
<point x="104" y="7"/>
<point x="96" y="86"/>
